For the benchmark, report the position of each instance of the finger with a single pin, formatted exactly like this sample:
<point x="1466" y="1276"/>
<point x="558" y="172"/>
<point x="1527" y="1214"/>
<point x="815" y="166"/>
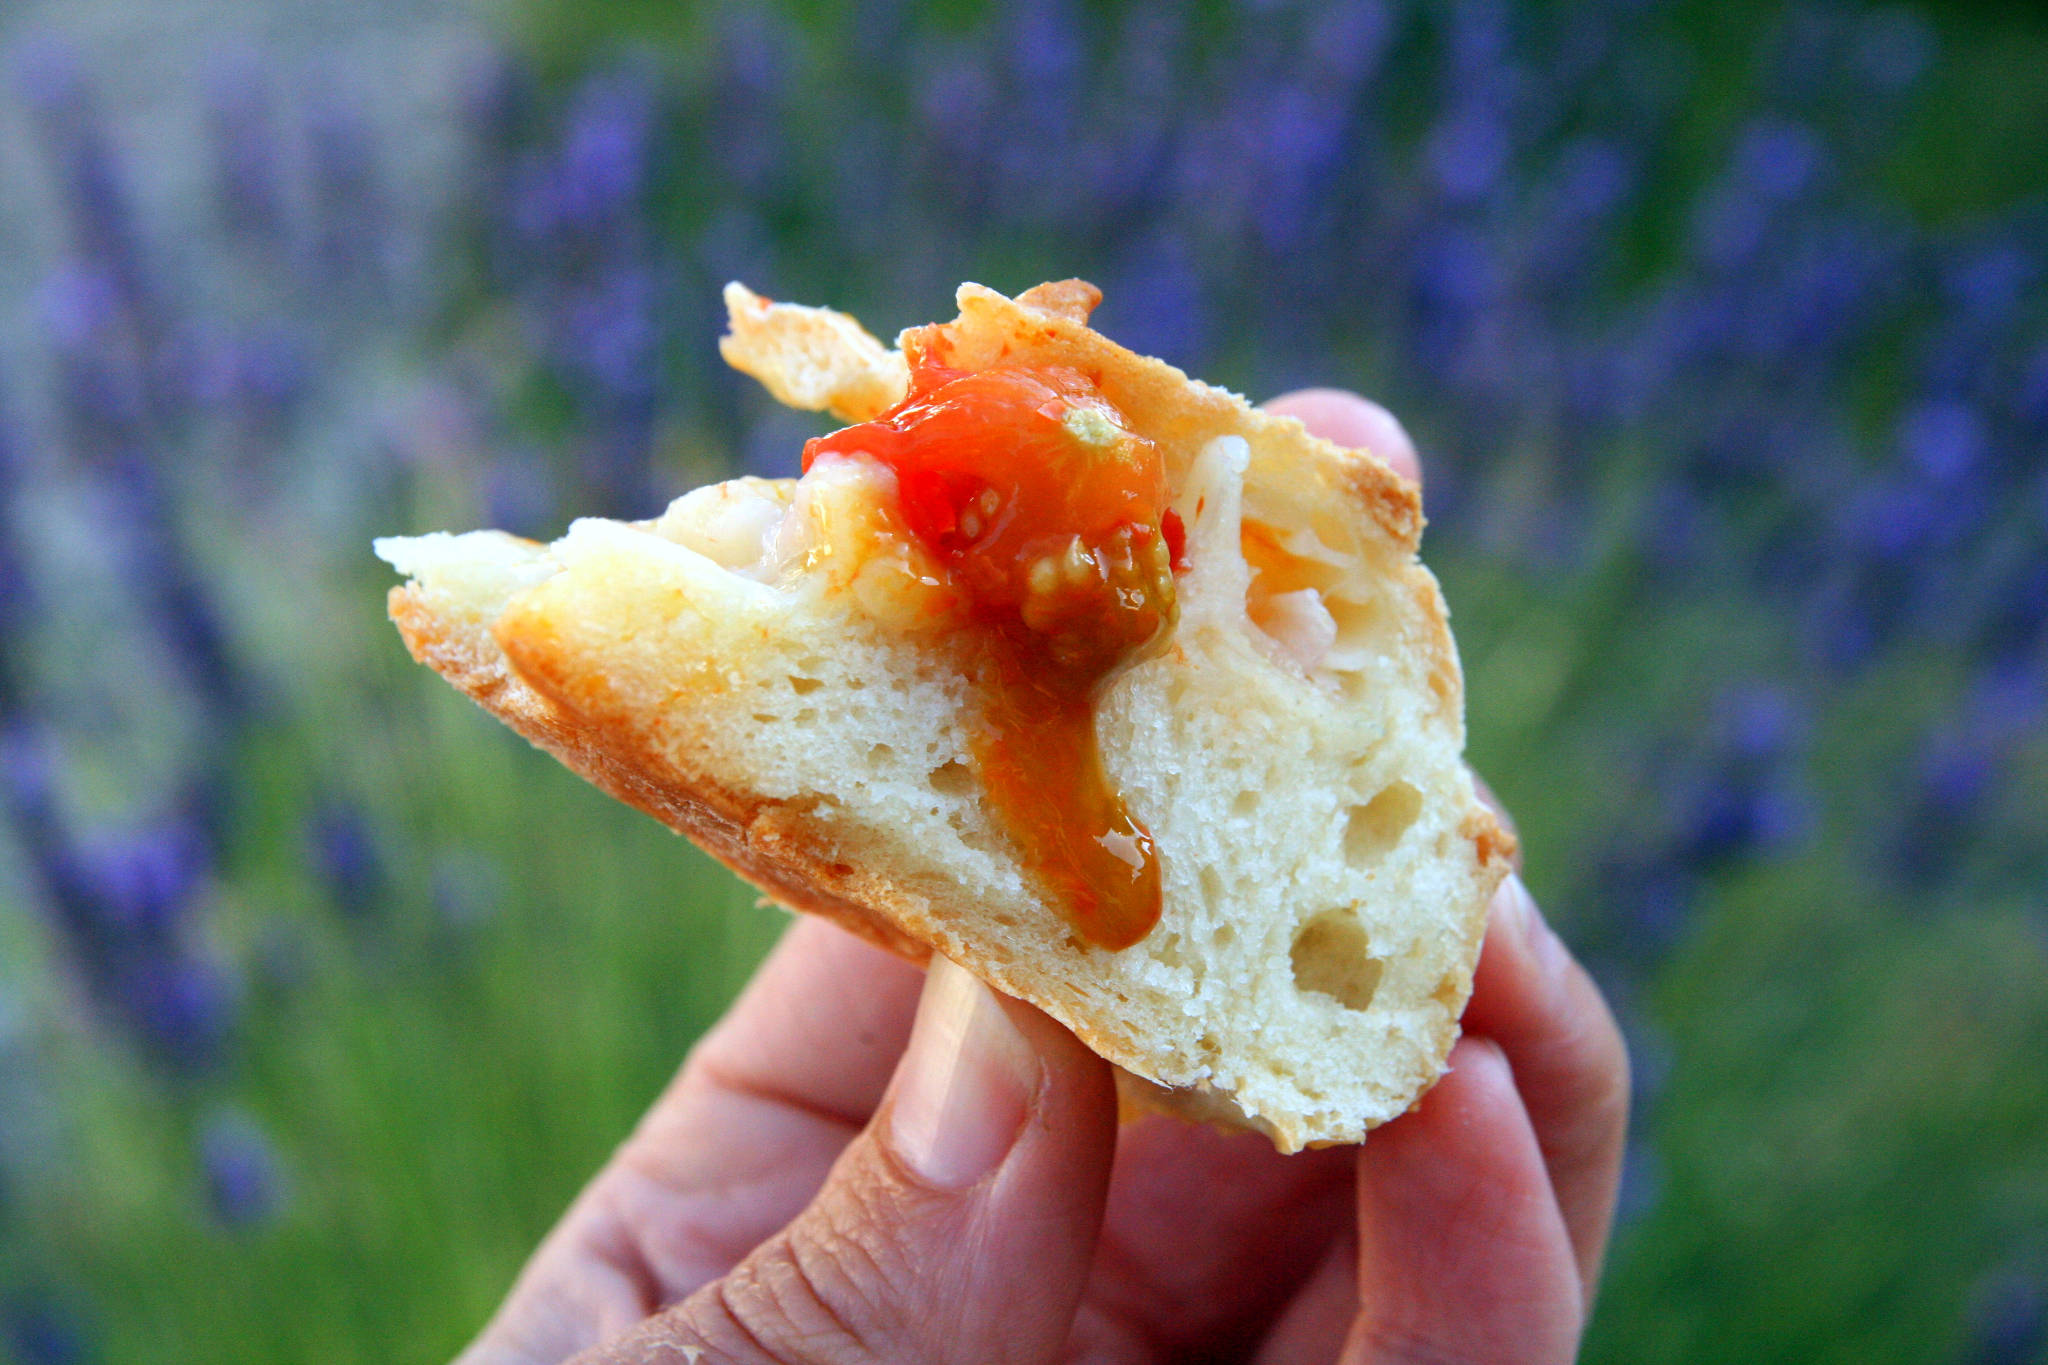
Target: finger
<point x="1349" y="420"/>
<point x="1206" y="1235"/>
<point x="959" y="1226"/>
<point x="1533" y="998"/>
<point x="1317" y="1320"/>
<point x="735" y="1147"/>
<point x="1462" y="1254"/>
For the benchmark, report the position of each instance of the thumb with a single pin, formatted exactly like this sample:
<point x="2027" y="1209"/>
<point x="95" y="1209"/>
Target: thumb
<point x="959" y="1226"/>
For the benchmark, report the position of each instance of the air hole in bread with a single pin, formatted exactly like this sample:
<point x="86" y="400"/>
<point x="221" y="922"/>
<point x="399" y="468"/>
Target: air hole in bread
<point x="953" y="778"/>
<point x="803" y="687"/>
<point x="1372" y="829"/>
<point x="1212" y="889"/>
<point x="764" y="718"/>
<point x="880" y="756"/>
<point x="1222" y="936"/>
<point x="1245" y="804"/>
<point x="956" y="781"/>
<point x="1332" y="957"/>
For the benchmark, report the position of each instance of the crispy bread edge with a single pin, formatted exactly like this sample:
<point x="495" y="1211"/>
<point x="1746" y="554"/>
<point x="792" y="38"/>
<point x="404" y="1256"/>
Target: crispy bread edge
<point x="765" y="842"/>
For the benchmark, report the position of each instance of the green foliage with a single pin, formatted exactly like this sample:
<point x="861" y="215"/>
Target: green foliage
<point x="1847" y="1133"/>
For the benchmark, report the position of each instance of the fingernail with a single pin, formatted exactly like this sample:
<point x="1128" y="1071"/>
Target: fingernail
<point x="1524" y="919"/>
<point x="1387" y="438"/>
<point x="965" y="1084"/>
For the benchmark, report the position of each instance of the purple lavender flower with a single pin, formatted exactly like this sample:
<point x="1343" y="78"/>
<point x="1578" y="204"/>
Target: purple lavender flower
<point x="183" y="1008"/>
<point x="2016" y="625"/>
<point x="145" y="881"/>
<point x="88" y="181"/>
<point x="1591" y="182"/>
<point x="1951" y="781"/>
<point x="352" y="212"/>
<point x="1477" y="41"/>
<point x="2010" y="1320"/>
<point x="957" y="100"/>
<point x="1778" y="159"/>
<point x="122" y="903"/>
<point x="608" y="333"/>
<point x="1346" y="43"/>
<point x="248" y="174"/>
<point x="1651" y="897"/>
<point x="2030" y="396"/>
<point x="1047" y="52"/>
<point x="605" y="159"/>
<point x="1302" y="149"/>
<point x="347" y="855"/>
<point x="1156" y="303"/>
<point x="102" y="396"/>
<point x="755" y="51"/>
<point x="1894" y="47"/>
<point x="1943" y="441"/>
<point x="1761" y="723"/>
<point x="38" y="1328"/>
<point x="16" y="592"/>
<point x="180" y="600"/>
<point x="1747" y="797"/>
<point x="1468" y="153"/>
<point x="1774" y="162"/>
<point x="243" y="1184"/>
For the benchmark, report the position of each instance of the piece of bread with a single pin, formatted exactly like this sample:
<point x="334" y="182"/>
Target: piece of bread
<point x="750" y="669"/>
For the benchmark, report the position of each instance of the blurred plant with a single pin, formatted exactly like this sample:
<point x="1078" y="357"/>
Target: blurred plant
<point x="39" y="1330"/>
<point x="243" y="1184"/>
<point x="1689" y="378"/>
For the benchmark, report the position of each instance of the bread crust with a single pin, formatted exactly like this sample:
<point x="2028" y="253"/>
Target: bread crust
<point x="771" y="844"/>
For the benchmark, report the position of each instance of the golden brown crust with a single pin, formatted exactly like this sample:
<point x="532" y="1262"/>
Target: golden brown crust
<point x="769" y="843"/>
<point x="811" y="358"/>
<point x="1070" y="299"/>
<point x="1164" y="402"/>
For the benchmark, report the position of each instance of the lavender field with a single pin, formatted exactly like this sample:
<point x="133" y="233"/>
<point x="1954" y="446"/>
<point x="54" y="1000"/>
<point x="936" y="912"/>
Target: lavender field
<point x="1725" y="343"/>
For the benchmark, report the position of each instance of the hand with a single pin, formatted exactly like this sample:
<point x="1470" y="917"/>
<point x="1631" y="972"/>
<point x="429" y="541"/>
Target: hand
<point x="854" y="1166"/>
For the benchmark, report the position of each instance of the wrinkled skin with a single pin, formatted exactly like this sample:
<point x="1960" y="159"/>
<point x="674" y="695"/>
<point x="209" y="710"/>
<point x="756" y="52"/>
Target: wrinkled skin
<point x="858" y="1164"/>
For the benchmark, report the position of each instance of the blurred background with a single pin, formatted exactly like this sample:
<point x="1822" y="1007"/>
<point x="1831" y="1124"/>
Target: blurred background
<point x="1723" y="328"/>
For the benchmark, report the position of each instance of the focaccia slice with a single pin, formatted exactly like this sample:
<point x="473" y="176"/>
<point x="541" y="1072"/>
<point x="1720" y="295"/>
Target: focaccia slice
<point x="758" y="669"/>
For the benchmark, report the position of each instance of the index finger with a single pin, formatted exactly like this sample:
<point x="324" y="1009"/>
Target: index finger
<point x="1342" y="416"/>
<point x="1531" y="996"/>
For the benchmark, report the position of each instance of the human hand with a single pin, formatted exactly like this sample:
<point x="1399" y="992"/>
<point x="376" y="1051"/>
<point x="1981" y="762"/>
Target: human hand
<point x="856" y="1166"/>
